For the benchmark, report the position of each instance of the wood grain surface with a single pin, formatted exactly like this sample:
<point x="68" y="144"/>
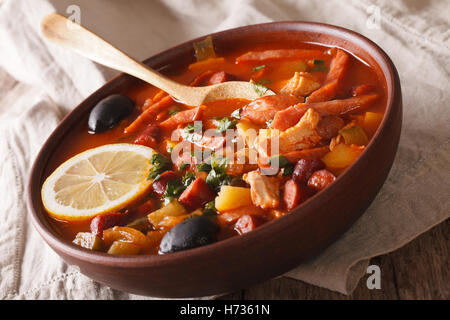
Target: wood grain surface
<point x="419" y="270"/>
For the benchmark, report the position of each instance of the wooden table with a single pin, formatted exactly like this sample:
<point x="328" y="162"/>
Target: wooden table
<point x="419" y="270"/>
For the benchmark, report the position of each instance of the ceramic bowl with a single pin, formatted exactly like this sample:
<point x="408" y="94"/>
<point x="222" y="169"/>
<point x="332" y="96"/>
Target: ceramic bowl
<point x="275" y="247"/>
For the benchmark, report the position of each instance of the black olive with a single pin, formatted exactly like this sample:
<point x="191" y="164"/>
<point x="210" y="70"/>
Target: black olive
<point x="191" y="233"/>
<point x="109" y="112"/>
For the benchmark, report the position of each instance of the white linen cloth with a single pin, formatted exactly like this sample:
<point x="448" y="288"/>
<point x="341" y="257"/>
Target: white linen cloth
<point x="40" y="83"/>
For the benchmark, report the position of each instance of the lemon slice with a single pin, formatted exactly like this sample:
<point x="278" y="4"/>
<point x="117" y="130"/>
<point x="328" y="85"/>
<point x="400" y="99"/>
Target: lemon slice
<point x="97" y="180"/>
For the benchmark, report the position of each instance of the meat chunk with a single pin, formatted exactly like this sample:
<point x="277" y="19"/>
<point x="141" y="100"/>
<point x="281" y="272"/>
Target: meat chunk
<point x="321" y="179"/>
<point x="328" y="127"/>
<point x="264" y="190"/>
<point x="300" y="86"/>
<point x="301" y="136"/>
<point x="106" y="221"/>
<point x="150" y="136"/>
<point x="220" y="77"/>
<point x="247" y="223"/>
<point x="294" y="194"/>
<point x="287" y="118"/>
<point x="334" y="79"/>
<point x="197" y="194"/>
<point x="305" y="168"/>
<point x="263" y="109"/>
<point x="182" y="117"/>
<point x="160" y="185"/>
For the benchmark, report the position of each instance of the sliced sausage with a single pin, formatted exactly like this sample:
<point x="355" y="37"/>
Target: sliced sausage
<point x="196" y="195"/>
<point x="305" y="168"/>
<point x="247" y="223"/>
<point x="150" y="136"/>
<point x="321" y="179"/>
<point x="295" y="194"/>
<point x="159" y="186"/>
<point x="220" y="77"/>
<point x="106" y="221"/>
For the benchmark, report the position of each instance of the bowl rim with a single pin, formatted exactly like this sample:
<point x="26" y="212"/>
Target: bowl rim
<point x="141" y="261"/>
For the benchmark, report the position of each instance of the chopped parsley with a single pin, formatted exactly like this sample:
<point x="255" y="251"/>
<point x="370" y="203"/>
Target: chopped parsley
<point x="205" y="167"/>
<point x="188" y="178"/>
<point x="210" y="209"/>
<point x="183" y="166"/>
<point x="256" y="69"/>
<point x="224" y="124"/>
<point x="192" y="132"/>
<point x="318" y="62"/>
<point x="160" y="164"/>
<point x="318" y="68"/>
<point x="283" y="163"/>
<point x="260" y="89"/>
<point x="236" y="113"/>
<point x="218" y="175"/>
<point x="173" y="190"/>
<point x="173" y="111"/>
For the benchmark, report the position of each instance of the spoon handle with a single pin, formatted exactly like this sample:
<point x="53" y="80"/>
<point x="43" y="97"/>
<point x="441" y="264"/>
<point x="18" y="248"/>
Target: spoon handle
<point x="68" y="34"/>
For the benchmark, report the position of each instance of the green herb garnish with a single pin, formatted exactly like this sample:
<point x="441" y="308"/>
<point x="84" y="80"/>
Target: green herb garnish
<point x="318" y="62"/>
<point x="192" y="132"/>
<point x="205" y="167"/>
<point x="256" y="69"/>
<point x="236" y="113"/>
<point x="210" y="210"/>
<point x="173" y="111"/>
<point x="173" y="190"/>
<point x="283" y="163"/>
<point x="218" y="175"/>
<point x="183" y="166"/>
<point x="160" y="164"/>
<point x="224" y="124"/>
<point x="188" y="178"/>
<point x="260" y="89"/>
<point x="318" y="68"/>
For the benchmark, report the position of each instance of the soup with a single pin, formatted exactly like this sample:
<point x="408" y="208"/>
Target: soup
<point x="218" y="170"/>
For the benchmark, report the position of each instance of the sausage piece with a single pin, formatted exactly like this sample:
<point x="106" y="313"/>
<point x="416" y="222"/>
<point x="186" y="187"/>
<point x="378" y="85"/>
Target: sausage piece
<point x="305" y="168"/>
<point x="159" y="186"/>
<point x="196" y="195"/>
<point x="106" y="221"/>
<point x="247" y="223"/>
<point x="220" y="77"/>
<point x="149" y="137"/>
<point x="321" y="179"/>
<point x="295" y="194"/>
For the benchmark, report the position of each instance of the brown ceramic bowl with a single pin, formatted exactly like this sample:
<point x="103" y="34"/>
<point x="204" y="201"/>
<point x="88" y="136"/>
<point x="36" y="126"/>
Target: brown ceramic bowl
<point x="270" y="250"/>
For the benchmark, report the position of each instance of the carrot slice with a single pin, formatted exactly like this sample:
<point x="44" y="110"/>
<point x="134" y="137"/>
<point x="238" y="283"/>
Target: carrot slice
<point x="149" y="114"/>
<point x="281" y="54"/>
<point x="338" y="69"/>
<point x="159" y="95"/>
<point x="287" y="118"/>
<point x="213" y="63"/>
<point x="161" y="102"/>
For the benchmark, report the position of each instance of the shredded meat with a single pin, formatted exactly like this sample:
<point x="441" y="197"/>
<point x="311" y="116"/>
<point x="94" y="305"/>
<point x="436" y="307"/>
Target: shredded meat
<point x="264" y="190"/>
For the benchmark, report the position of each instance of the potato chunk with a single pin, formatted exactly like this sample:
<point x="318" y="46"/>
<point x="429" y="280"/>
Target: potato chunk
<point x="230" y="197"/>
<point x="88" y="240"/>
<point x="174" y="208"/>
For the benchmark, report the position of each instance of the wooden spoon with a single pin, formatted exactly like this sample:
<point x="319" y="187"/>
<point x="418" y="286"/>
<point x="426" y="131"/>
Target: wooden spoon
<point x="68" y="34"/>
